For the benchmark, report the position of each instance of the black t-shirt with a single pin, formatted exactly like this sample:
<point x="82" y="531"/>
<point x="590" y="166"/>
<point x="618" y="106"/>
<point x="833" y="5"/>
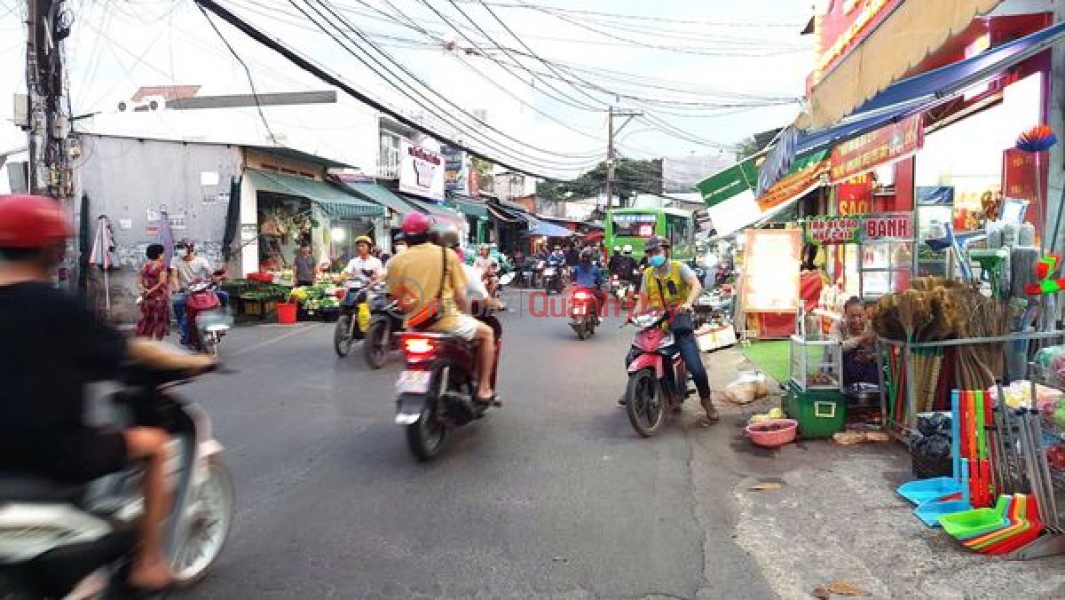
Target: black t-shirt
<point x="50" y="348"/>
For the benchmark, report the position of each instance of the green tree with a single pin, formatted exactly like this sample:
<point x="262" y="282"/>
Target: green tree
<point x="630" y="176"/>
<point x="484" y="170"/>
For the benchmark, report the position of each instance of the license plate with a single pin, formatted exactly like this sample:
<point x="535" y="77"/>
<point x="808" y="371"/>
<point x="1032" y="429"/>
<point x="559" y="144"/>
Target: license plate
<point x="549" y="272"/>
<point x="413" y="382"/>
<point x="578" y="311"/>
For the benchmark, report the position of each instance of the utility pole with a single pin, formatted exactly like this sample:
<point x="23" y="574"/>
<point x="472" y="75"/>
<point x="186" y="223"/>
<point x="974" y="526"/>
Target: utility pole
<point x="611" y="162"/>
<point x="48" y="127"/>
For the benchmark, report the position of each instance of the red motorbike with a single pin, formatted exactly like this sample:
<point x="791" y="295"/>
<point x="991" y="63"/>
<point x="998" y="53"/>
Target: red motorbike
<point x="436" y="391"/>
<point x="584" y="312"/>
<point x="207" y="320"/>
<point x="658" y="379"/>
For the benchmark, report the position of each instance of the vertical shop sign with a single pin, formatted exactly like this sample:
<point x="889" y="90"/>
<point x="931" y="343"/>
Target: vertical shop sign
<point x="771" y="270"/>
<point x="455" y="170"/>
<point x="855" y="196"/>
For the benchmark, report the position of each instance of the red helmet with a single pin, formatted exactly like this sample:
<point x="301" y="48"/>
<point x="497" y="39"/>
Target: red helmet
<point x="32" y="222"/>
<point x="415" y="223"/>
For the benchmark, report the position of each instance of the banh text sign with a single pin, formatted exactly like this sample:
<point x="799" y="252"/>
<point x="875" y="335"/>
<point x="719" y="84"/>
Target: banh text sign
<point x="889" y="226"/>
<point x="833" y="230"/>
<point x="866" y="152"/>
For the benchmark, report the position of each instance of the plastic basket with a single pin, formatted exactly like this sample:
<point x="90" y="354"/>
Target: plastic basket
<point x="286" y="313"/>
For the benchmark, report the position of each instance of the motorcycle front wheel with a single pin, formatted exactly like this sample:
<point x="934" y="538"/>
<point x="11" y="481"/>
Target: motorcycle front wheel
<point x="644" y="403"/>
<point x="375" y="348"/>
<point x="210" y="522"/>
<point x="342" y="336"/>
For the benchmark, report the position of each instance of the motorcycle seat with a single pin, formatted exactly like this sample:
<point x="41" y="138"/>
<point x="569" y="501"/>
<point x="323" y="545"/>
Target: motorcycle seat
<point x="30" y="488"/>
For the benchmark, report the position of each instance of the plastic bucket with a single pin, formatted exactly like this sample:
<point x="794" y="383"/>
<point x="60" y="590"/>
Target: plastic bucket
<point x="286" y="313"/>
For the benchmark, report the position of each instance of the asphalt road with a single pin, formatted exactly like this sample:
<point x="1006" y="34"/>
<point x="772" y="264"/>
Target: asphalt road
<point x="551" y="496"/>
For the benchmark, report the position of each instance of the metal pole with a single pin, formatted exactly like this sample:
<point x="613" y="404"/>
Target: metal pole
<point x="610" y="158"/>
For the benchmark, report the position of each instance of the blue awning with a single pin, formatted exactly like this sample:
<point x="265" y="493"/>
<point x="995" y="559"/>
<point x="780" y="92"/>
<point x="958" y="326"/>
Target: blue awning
<point x="917" y="93"/>
<point x="547" y="229"/>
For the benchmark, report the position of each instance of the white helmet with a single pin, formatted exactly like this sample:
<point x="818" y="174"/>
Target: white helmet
<point x="627" y="249"/>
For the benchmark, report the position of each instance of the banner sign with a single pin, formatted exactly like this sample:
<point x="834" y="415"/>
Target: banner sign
<point x="887" y="226"/>
<point x="843" y="28"/>
<point x="867" y="152"/>
<point x="421" y="171"/>
<point x="833" y="230"/>
<point x="771" y="270"/>
<point x="455" y="170"/>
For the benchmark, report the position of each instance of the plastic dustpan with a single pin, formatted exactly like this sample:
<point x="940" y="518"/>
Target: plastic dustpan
<point x="1016" y="542"/>
<point x="973" y="523"/>
<point x="925" y="490"/>
<point x="930" y="511"/>
<point x="1018" y="525"/>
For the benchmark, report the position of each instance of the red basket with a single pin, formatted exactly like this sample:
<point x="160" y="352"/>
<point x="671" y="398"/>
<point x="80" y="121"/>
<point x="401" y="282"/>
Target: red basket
<point x="773" y="434"/>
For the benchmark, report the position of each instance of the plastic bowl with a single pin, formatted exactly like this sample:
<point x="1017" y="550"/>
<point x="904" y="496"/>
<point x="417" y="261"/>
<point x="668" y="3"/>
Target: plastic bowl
<point x="774" y="433"/>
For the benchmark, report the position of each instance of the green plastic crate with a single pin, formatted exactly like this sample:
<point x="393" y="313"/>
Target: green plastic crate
<point x="819" y="413"/>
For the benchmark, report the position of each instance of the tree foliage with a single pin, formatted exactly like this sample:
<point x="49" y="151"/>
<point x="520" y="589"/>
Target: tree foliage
<point x="631" y="176"/>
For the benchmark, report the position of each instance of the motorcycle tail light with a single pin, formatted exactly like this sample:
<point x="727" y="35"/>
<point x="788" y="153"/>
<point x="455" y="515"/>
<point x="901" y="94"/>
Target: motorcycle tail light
<point x="581" y="296"/>
<point x="418" y="346"/>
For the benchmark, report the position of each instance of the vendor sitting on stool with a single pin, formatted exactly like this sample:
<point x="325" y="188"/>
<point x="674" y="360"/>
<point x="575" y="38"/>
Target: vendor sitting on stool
<point x="858" y="339"/>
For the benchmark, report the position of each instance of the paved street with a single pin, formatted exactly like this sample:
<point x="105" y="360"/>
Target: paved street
<point x="552" y="496"/>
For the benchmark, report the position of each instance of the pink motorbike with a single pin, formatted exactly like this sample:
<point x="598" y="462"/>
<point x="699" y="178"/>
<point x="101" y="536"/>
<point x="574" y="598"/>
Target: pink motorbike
<point x="658" y="379"/>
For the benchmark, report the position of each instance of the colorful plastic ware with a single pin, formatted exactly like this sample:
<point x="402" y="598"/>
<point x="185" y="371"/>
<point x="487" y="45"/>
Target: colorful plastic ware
<point x="974" y="523"/>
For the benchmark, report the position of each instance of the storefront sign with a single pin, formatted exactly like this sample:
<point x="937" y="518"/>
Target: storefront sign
<point x="455" y="170"/>
<point x="833" y="230"/>
<point x="855" y="196"/>
<point x="866" y="152"/>
<point x="771" y="270"/>
<point x="843" y="27"/>
<point x="793" y="186"/>
<point x="896" y="226"/>
<point x="421" y="171"/>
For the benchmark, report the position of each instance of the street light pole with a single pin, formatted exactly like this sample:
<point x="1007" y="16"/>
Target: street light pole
<point x="611" y="155"/>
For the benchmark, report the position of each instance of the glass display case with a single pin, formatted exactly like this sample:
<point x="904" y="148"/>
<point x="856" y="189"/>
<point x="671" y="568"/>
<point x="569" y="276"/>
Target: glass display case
<point x="816" y="364"/>
<point x="885" y="267"/>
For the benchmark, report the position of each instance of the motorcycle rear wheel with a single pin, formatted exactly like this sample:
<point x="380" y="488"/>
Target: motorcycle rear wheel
<point x="209" y="529"/>
<point x="644" y="403"/>
<point x="426" y="437"/>
<point x="375" y="347"/>
<point x="342" y="336"/>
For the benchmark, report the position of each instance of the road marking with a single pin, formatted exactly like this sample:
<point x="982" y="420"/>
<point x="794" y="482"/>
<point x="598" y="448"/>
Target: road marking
<point x="274" y="340"/>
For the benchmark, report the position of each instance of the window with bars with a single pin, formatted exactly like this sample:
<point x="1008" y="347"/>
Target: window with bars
<point x="388" y="157"/>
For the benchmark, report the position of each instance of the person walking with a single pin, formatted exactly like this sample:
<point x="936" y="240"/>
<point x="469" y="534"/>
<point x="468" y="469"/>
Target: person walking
<point x="154" y="296"/>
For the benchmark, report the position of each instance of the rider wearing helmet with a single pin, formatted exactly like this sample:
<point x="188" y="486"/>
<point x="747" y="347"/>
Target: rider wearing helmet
<point x="614" y="262"/>
<point x="627" y="267"/>
<point x="364" y="263"/>
<point x="187" y="268"/>
<point x="51" y="347"/>
<point x="588" y="275"/>
<point x="673" y="285"/>
<point x="428" y="281"/>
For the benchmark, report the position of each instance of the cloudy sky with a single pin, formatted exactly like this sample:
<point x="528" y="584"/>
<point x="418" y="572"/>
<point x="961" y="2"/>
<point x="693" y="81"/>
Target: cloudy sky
<point x="705" y="74"/>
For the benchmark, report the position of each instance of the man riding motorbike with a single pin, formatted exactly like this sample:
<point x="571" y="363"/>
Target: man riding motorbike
<point x="187" y="268"/>
<point x="364" y="262"/>
<point x="50" y="349"/>
<point x="437" y="301"/>
<point x="672" y="285"/>
<point x="489" y="268"/>
<point x="588" y="275"/>
<point x="627" y="265"/>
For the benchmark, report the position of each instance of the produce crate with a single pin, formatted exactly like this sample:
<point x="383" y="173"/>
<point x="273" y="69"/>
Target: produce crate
<point x="820" y="413"/>
<point x="256" y="307"/>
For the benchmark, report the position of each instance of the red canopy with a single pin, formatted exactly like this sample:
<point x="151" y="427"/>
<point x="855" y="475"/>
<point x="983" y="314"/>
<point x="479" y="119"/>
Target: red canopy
<point x="594" y="236"/>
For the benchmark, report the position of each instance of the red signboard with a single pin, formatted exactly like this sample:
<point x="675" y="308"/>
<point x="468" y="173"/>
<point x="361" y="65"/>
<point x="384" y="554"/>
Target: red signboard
<point x="855" y="196"/>
<point x="846" y="24"/>
<point x="1019" y="181"/>
<point x="888" y="227"/>
<point x="866" y="152"/>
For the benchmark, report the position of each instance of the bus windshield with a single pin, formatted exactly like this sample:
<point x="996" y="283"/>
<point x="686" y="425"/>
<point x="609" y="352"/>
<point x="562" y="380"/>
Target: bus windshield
<point x="634" y="225"/>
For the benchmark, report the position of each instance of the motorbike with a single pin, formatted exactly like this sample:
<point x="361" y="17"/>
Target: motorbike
<point x="552" y="277"/>
<point x="208" y="320"/>
<point x="536" y="278"/>
<point x="435" y="392"/>
<point x="56" y="537"/>
<point x="623" y="289"/>
<point x="584" y="312"/>
<point x="385" y="325"/>
<point x="355" y="315"/>
<point x="658" y="379"/>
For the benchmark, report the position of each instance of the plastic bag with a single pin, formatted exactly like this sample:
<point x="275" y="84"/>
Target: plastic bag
<point x="750" y="386"/>
<point x="932" y="457"/>
<point x="934" y="424"/>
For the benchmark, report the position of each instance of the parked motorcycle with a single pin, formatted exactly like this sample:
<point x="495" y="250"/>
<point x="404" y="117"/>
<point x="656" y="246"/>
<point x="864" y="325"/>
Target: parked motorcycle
<point x="658" y="379"/>
<point x="536" y="279"/>
<point x="552" y="277"/>
<point x="355" y="315"/>
<point x="55" y="537"/>
<point x="204" y="309"/>
<point x="436" y="391"/>
<point x="584" y="312"/>
<point x="383" y="330"/>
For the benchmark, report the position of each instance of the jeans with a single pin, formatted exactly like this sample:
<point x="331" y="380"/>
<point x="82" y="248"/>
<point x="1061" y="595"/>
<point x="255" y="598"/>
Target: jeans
<point x="693" y="360"/>
<point x="180" y="299"/>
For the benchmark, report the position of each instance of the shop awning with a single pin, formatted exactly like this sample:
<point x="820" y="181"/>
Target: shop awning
<point x="808" y="174"/>
<point x="379" y="194"/>
<point x="912" y="95"/>
<point x="469" y="206"/>
<point x="437" y="211"/>
<point x="336" y="203"/>
<point x="547" y="229"/>
<point x="504" y="215"/>
<point x="904" y="39"/>
<point x="729" y="183"/>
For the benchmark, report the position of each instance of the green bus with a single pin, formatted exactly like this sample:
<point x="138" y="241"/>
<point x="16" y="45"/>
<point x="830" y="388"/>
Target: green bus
<point x="633" y="226"/>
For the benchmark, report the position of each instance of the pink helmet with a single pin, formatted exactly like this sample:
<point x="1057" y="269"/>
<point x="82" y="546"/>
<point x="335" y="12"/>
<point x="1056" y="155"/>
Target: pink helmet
<point x="415" y="223"/>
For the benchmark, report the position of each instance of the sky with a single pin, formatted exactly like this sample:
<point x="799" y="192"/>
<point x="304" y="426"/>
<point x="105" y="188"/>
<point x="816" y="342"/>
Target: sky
<point x="695" y="67"/>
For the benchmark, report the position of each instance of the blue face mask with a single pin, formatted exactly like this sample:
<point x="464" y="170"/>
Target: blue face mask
<point x="657" y="260"/>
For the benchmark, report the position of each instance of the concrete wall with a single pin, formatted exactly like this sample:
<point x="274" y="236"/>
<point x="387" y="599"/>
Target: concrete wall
<point x="127" y="179"/>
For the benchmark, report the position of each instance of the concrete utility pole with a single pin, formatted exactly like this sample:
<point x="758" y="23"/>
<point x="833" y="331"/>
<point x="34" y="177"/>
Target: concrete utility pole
<point x="610" y="154"/>
<point x="48" y="127"/>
